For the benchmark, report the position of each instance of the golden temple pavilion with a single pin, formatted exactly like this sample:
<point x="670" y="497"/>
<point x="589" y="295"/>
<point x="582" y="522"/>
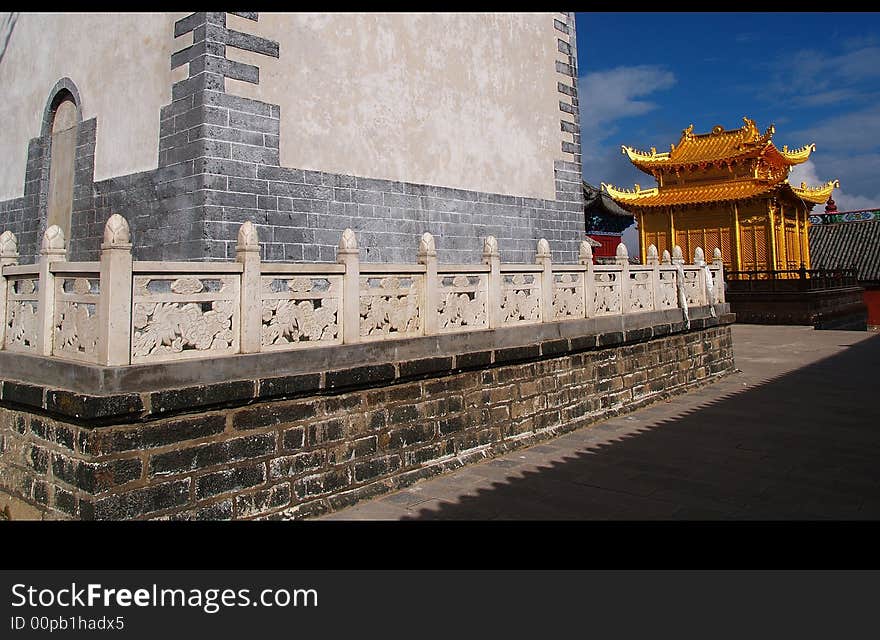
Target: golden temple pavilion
<point x="726" y="190"/>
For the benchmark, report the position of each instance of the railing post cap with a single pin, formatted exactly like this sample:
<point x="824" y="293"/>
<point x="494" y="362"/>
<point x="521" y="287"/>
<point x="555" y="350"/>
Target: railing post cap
<point x="8" y="245"/>
<point x="427" y="246"/>
<point x="543" y="250"/>
<point x="347" y="243"/>
<point x="248" y="237"/>
<point x="117" y="234"/>
<point x="490" y="247"/>
<point x="53" y="241"/>
<point x="585" y="252"/>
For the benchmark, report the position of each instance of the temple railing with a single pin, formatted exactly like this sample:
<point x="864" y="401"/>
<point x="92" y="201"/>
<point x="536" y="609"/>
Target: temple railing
<point x="118" y="311"/>
<point x="781" y="280"/>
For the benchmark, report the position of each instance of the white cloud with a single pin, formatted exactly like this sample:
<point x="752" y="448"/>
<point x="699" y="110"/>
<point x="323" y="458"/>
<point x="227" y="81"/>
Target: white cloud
<point x="606" y="97"/>
<point x="845" y="201"/>
<point x="610" y="95"/>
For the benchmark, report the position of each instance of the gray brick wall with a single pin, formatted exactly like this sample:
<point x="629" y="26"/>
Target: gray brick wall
<point x="219" y="166"/>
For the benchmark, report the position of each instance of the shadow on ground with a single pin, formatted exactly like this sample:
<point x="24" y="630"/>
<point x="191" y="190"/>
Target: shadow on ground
<point x="805" y="445"/>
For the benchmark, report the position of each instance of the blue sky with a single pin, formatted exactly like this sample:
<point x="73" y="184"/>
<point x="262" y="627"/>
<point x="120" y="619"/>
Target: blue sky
<point x="643" y="77"/>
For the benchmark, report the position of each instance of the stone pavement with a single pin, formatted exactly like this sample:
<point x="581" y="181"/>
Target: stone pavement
<point x="794" y="434"/>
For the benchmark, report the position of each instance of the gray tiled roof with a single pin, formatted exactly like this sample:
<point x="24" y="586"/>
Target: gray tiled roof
<point x="847" y="244"/>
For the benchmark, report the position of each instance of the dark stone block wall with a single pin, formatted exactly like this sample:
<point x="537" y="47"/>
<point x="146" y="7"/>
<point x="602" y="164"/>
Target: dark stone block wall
<point x="306" y="444"/>
<point x="219" y="166"/>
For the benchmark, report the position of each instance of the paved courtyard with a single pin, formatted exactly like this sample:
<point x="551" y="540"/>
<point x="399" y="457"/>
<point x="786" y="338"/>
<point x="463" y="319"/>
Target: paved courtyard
<point x="794" y="434"/>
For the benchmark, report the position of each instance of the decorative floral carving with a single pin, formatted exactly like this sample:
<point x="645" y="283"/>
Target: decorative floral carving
<point x="389" y="305"/>
<point x="76" y="328"/>
<point x="463" y="303"/>
<point x="179" y="317"/>
<point x="607" y="295"/>
<point x="286" y="321"/>
<point x="172" y="327"/>
<point x="667" y="289"/>
<point x="187" y="286"/>
<point x="568" y="299"/>
<point x="640" y="291"/>
<point x="21" y="328"/>
<point x="692" y="288"/>
<point x="521" y="301"/>
<point x="25" y="287"/>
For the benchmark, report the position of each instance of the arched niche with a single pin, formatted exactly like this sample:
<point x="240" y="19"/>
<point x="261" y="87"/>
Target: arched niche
<point x="61" y="125"/>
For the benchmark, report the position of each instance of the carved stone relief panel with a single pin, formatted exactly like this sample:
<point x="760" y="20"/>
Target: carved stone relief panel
<point x="607" y="295"/>
<point x="21" y="314"/>
<point x="389" y="306"/>
<point x="640" y="291"/>
<point x="177" y="317"/>
<point x="568" y="295"/>
<point x="75" y="325"/>
<point x="462" y="302"/>
<point x="300" y="311"/>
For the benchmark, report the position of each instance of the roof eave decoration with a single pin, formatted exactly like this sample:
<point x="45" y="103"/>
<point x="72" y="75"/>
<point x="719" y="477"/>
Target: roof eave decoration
<point x="798" y="156"/>
<point x="635" y="155"/>
<point x="816" y="195"/>
<point x="626" y="195"/>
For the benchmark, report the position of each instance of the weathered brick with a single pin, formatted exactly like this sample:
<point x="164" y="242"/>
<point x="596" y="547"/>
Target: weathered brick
<point x="272" y="414"/>
<point x="258" y="502"/>
<point x="86" y="407"/>
<point x="227" y="480"/>
<point x="409" y="435"/>
<point x="151" y="434"/>
<point x="425" y="366"/>
<point x="22" y="393"/>
<point x="289" y="466"/>
<point x="360" y="376"/>
<point x="403" y="414"/>
<point x="374" y="468"/>
<point x="326" y="431"/>
<point x="222" y="393"/>
<point x="140" y="502"/>
<point x="288" y="386"/>
<point x="207" y="455"/>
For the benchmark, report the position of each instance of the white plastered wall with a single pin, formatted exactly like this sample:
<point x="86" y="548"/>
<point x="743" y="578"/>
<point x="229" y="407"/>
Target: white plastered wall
<point x="460" y="100"/>
<point x="120" y="62"/>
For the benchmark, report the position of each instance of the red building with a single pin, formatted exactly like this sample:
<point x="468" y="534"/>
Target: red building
<point x="846" y="239"/>
<point x="605" y="222"/>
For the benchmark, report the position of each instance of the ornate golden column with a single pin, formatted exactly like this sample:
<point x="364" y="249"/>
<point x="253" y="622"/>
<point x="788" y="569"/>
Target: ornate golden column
<point x="736" y="259"/>
<point x="771" y="259"/>
<point x="783" y="249"/>
<point x="643" y="250"/>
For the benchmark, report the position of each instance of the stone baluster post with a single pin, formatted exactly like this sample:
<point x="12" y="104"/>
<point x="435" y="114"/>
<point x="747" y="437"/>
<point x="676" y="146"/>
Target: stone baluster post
<point x="348" y="254"/>
<point x="247" y="252"/>
<point x="428" y="257"/>
<point x="114" y="304"/>
<point x="52" y="249"/>
<point x="8" y="256"/>
<point x="492" y="257"/>
<point x="543" y="258"/>
<point x="621" y="259"/>
<point x="677" y="255"/>
<point x="718" y="264"/>
<point x="653" y="261"/>
<point x="666" y="258"/>
<point x="585" y="257"/>
<point x="700" y="261"/>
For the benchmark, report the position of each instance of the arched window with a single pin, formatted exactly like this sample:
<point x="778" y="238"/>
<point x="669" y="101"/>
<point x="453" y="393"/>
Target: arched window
<point x="62" y="152"/>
